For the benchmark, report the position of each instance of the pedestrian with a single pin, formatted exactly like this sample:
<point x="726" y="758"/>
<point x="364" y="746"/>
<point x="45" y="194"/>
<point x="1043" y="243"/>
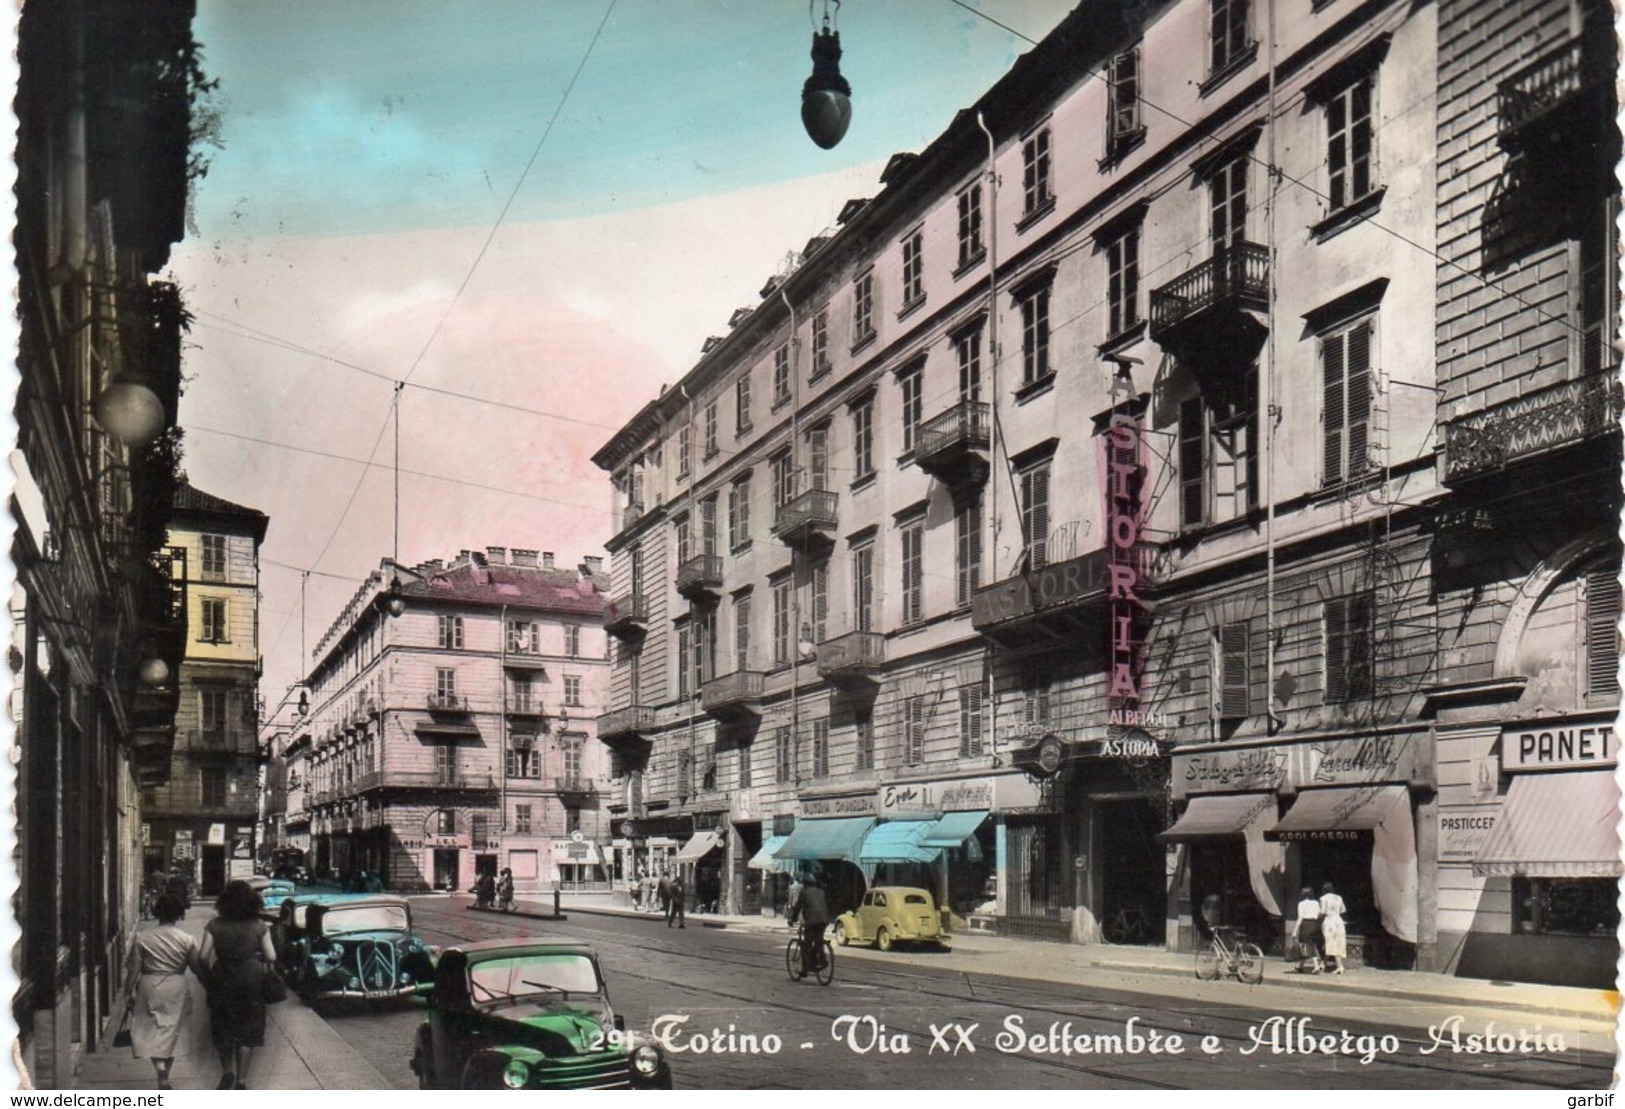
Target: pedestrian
<point x="238" y="952"/>
<point x="161" y="1000"/>
<point x="674" y="906"/>
<point x="635" y="888"/>
<point x="1334" y="938"/>
<point x="1309" y="935"/>
<point x="664" y="891"/>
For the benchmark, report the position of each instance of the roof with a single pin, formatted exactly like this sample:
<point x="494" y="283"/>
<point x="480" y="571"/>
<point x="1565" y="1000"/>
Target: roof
<point x="190" y="499"/>
<point x="518" y="945"/>
<point x="522" y="586"/>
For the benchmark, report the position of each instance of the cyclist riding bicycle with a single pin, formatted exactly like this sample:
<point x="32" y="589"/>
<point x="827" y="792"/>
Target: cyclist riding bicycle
<point x="813" y="912"/>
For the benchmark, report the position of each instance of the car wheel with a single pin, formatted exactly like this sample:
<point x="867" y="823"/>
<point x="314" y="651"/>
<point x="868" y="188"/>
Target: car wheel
<point x="425" y="1072"/>
<point x="883" y="939"/>
<point x="841" y="937"/>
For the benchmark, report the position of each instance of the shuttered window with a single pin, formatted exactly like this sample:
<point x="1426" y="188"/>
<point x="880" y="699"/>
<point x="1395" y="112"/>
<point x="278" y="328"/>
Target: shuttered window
<point x="1345" y="360"/>
<point x="1192" y="495"/>
<point x="863" y="587"/>
<point x="742" y="632"/>
<point x="1235" y="671"/>
<point x="1349" y="631"/>
<point x="913" y="573"/>
<point x="819" y="587"/>
<point x="865" y="737"/>
<point x="1602" y="595"/>
<point x="1125" y="97"/>
<point x="1035" y="514"/>
<point x="970" y="721"/>
<point x="914" y="731"/>
<point x="818" y="457"/>
<point x="820" y="748"/>
<point x="785" y="752"/>
<point x="968" y="549"/>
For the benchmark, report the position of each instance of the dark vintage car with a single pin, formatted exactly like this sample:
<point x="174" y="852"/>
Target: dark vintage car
<point x="526" y="1014"/>
<point x="352" y="946"/>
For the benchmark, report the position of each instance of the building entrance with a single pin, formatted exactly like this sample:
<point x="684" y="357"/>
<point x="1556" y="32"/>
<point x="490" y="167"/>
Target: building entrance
<point x="1134" y="886"/>
<point x="212" y="871"/>
<point x="445" y="868"/>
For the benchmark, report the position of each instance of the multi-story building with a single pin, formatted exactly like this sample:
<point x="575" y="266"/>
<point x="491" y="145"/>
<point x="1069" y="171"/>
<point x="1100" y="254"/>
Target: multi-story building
<point x="284" y="742"/>
<point x="202" y="820"/>
<point x="453" y="726"/>
<point x="1066" y="525"/>
<point x="98" y="616"/>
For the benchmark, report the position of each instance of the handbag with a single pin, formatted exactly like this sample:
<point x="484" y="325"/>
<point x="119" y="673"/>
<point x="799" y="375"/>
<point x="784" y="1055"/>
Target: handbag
<point x="273" y="990"/>
<point x="121" y="1038"/>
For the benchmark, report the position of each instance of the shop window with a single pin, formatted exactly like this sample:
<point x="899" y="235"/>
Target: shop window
<point x="1565" y="906"/>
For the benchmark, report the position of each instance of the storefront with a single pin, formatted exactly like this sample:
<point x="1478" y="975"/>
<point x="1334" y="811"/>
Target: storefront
<point x="827" y="840"/>
<point x="576" y="864"/>
<point x="701" y="860"/>
<point x="1225" y="853"/>
<point x="938" y="836"/>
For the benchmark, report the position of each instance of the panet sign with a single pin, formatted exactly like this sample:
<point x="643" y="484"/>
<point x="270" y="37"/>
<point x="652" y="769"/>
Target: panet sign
<point x="1559" y="746"/>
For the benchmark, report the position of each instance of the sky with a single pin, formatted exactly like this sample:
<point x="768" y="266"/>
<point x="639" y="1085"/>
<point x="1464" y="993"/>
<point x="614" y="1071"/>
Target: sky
<point x="543" y="205"/>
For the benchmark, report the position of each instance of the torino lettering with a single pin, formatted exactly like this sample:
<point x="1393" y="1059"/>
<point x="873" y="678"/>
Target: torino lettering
<point x="1124" y="519"/>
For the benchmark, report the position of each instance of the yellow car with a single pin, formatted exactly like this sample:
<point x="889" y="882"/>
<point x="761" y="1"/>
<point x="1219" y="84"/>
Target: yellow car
<point x="892" y="914"/>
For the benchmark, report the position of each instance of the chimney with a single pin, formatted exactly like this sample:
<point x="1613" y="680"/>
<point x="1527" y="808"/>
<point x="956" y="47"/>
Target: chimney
<point x="592" y="563"/>
<point x="585" y="586"/>
<point x="497" y="556"/>
<point x="462" y="555"/>
<point x="435" y="565"/>
<point x="522" y="557"/>
<point x="547" y="560"/>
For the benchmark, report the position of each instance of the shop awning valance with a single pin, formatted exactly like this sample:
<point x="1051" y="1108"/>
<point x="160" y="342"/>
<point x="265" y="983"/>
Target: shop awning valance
<point x="1342" y="813"/>
<point x="700" y="844"/>
<point x="898" y="841"/>
<point x="1556" y="825"/>
<point x="1219" y="815"/>
<point x="836" y="838"/>
<point x="954" y="828"/>
<point x="764" y="860"/>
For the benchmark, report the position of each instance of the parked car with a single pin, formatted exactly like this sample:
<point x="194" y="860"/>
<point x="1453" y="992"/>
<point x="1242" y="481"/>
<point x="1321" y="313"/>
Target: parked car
<point x="892" y="914"/>
<point x="352" y="946"/>
<point x="526" y="1014"/>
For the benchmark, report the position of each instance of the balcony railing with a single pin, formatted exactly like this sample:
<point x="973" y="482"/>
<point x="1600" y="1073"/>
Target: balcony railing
<point x="447" y="702"/>
<point x="1542" y="89"/>
<point x="732" y="694"/>
<point x="947" y="442"/>
<point x="525" y="706"/>
<point x="1535" y="423"/>
<point x="1054" y="604"/>
<point x="577" y="785"/>
<point x="857" y="655"/>
<point x="439" y="778"/>
<point x="1235" y="278"/>
<point x="700" y="575"/>
<point x="630" y="722"/>
<point x="809" y="516"/>
<point x="219" y="739"/>
<point x="626" y="616"/>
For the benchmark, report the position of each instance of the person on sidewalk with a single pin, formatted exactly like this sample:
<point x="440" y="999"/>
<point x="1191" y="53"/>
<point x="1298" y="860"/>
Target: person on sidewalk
<point x="676" y="895"/>
<point x="1334" y="939"/>
<point x="237" y="949"/>
<point x="161" y="999"/>
<point x="1308" y="932"/>
<point x="664" y="892"/>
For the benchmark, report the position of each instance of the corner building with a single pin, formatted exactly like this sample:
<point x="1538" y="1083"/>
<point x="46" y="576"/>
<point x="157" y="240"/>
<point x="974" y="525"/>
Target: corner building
<point x="1063" y="533"/>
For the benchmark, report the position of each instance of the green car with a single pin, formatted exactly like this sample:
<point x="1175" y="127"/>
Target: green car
<point x="527" y="1014"/>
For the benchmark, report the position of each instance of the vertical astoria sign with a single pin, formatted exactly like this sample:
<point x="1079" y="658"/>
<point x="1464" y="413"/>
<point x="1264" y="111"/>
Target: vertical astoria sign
<point x="1126" y="613"/>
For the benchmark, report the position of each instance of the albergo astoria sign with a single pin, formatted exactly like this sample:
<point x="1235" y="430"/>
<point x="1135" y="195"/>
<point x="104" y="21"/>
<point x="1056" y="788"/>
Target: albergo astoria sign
<point x="1124" y="483"/>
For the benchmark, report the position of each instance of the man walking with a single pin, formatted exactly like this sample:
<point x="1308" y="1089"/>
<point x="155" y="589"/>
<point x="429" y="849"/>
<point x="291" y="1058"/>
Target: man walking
<point x="664" y="890"/>
<point x="674" y="907"/>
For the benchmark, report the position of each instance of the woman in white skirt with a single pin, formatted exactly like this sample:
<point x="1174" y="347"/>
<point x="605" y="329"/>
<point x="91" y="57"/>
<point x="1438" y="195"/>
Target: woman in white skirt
<point x="159" y="1009"/>
<point x="1334" y="937"/>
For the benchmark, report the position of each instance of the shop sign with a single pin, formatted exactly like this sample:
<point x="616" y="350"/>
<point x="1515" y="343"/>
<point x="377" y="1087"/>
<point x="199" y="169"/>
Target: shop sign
<point x="1258" y="768"/>
<point x="863" y="805"/>
<point x="1056" y="585"/>
<point x="1559" y="746"/>
<point x="1353" y="761"/>
<point x="1464" y="829"/>
<point x="446" y="841"/>
<point x="931" y="798"/>
<point x="217" y="835"/>
<point x="1122" y="477"/>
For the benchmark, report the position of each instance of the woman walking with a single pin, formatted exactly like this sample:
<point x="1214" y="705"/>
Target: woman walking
<point x="237" y="946"/>
<point x="1309" y="936"/>
<point x="162" y="999"/>
<point x="1334" y="940"/>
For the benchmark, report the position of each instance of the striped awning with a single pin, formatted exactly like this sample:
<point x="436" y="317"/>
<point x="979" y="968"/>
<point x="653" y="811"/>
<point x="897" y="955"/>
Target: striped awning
<point x="1219" y="815"/>
<point x="1562" y="824"/>
<point x="836" y="838"/>
<point x="698" y="847"/>
<point x="1344" y="812"/>
<point x="764" y="860"/>
<point x="899" y="841"/>
<point x="954" y="828"/>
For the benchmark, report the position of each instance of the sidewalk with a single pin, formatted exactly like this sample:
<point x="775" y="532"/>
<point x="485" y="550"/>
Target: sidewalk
<point x="1154" y="970"/>
<point x="301" y="1051"/>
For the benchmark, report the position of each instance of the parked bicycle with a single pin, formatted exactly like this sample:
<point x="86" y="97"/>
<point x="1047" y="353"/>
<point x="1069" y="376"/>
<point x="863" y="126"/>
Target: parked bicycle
<point x="823" y="968"/>
<point x="1226" y="952"/>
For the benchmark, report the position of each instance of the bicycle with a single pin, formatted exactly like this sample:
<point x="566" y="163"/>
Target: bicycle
<point x="824" y="971"/>
<point x="1227" y="952"/>
<point x="1127" y="925"/>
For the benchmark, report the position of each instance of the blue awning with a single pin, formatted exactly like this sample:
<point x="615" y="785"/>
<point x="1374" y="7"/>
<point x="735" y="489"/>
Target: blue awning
<point x="826" y="839"/>
<point x="899" y="841"/>
<point x="954" y="828"/>
<point x="764" y="860"/>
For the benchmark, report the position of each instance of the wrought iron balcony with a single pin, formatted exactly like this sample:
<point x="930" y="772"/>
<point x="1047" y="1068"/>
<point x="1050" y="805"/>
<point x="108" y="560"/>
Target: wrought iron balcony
<point x="447" y="702"/>
<point x="577" y="786"/>
<point x="1206" y="305"/>
<point x="951" y="446"/>
<point x="627" y="616"/>
<point x="1536" y="423"/>
<point x="632" y="722"/>
<point x="856" y="656"/>
<point x="736" y="694"/>
<point x="524" y="706"/>
<point x="1542" y="97"/>
<point x="700" y="576"/>
<point x="810" y="516"/>
<point x="438" y="778"/>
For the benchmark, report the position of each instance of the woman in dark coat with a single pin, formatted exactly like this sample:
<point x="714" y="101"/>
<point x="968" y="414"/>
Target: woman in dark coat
<point x="237" y="947"/>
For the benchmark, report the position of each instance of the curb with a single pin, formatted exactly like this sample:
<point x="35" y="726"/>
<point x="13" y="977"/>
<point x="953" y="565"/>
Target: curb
<point x="527" y="914"/>
<point x="331" y="1061"/>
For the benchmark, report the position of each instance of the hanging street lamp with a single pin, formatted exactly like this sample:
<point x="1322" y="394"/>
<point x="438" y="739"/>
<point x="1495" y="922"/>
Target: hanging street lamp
<point x="826" y="98"/>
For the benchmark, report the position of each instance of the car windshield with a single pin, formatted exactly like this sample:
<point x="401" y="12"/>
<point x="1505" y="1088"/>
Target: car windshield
<point x="366" y="918"/>
<point x="566" y="973"/>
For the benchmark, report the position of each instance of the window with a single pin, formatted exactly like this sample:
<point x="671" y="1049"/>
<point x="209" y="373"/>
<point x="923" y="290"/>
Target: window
<point x="863" y="437"/>
<point x="213" y="712"/>
<point x="711" y="447"/>
<point x="742" y="405"/>
<point x="742" y="632"/>
<point x="967" y="548"/>
<point x="739" y="514"/>
<point x="1601" y="607"/>
<point x="865" y="741"/>
<point x="445" y="686"/>
<point x="1035" y="335"/>
<point x="1565" y="906"/>
<point x="521" y="820"/>
<point x="863" y="587"/>
<point x="913" y="572"/>
<point x="685" y="450"/>
<point x="1227" y="204"/>
<point x="213" y="781"/>
<point x="970" y="224"/>
<point x="781" y="621"/>
<point x="522" y="694"/>
<point x="1349" y="630"/>
<point x="1123" y="126"/>
<point x="1348" y="145"/>
<point x="451" y="633"/>
<point x="214" y="621"/>
<point x="1035" y="702"/>
<point x="1239" y="671"/>
<point x="818" y="457"/>
<point x="524" y="761"/>
<point x="820" y="748"/>
<point x="1037" y="189"/>
<point x="570" y="749"/>
<point x="968" y="354"/>
<point x="214" y="557"/>
<point x="572" y="640"/>
<point x="681" y="539"/>
<point x="445" y="823"/>
<point x="970" y="721"/>
<point x="1218" y="456"/>
<point x="524" y="637"/>
<point x="1035" y="514"/>
<point x="1123" y="281"/>
<point x="708" y="525"/>
<point x="1345" y="363"/>
<point x="1230" y="41"/>
<point x="781" y="375"/>
<point x="819" y="588"/>
<point x="820" y="344"/>
<point x="863" y="308"/>
<point x="1598" y="292"/>
<point x="784" y="479"/>
<point x="685" y="655"/>
<point x="705" y="646"/>
<point x="572" y="691"/>
<point x="685" y="774"/>
<point x="744" y="768"/>
<point x="784" y="752"/>
<point x="479" y="830"/>
<point x="913" y="269"/>
<point x="913" y="730"/>
<point x="445" y="762"/>
<point x="912" y="384"/>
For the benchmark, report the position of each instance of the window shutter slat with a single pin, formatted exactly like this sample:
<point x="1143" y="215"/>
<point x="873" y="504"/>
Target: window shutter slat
<point x="1602" y="631"/>
<point x="1336" y="658"/>
<point x="1331" y="356"/>
<point x="1233" y="671"/>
